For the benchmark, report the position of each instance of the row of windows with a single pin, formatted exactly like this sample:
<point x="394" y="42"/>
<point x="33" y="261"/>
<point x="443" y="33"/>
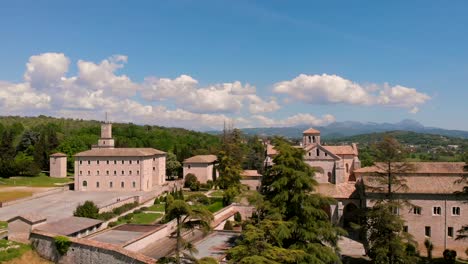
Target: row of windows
<point x="108" y="161"/>
<point x="111" y="184"/>
<point x="436" y="210"/>
<point x="115" y="172"/>
<point x="428" y="232"/>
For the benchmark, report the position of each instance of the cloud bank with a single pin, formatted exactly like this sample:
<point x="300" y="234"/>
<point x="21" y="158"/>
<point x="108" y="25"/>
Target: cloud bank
<point x="48" y="88"/>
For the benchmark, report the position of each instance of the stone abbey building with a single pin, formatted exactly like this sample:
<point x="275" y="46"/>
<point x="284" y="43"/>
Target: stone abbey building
<point x="107" y="168"/>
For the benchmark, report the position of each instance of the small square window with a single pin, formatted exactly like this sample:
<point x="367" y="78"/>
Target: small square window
<point x="427" y="231"/>
<point x="436" y="210"/>
<point x="450" y="231"/>
<point x="417" y="210"/>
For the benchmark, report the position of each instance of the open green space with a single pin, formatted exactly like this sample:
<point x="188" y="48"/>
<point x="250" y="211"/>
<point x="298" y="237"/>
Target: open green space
<point x="145" y="218"/>
<point x="38" y="181"/>
<point x="3" y="224"/>
<point x="216" y="205"/>
<point x="11" y="250"/>
<point x="218" y="193"/>
<point x="6" y="196"/>
<point x="156" y="208"/>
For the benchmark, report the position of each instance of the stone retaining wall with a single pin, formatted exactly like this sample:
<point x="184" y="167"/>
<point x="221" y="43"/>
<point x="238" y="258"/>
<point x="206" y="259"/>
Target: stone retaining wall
<point x="83" y="251"/>
<point x="119" y="202"/>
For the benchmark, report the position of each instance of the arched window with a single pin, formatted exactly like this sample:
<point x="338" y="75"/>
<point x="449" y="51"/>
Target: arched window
<point x="347" y="168"/>
<point x="81" y="173"/>
<point x="97" y="172"/>
<point x="123" y="162"/>
<point x="107" y="172"/>
<point x="310" y="154"/>
<point x="329" y="177"/>
<point x="89" y="172"/>
<point x="81" y="162"/>
<point x="89" y="162"/>
<point x="111" y="184"/>
<point x="115" y="162"/>
<point x="97" y="162"/>
<point x="138" y="172"/>
<point x="123" y="172"/>
<point x="310" y="139"/>
<point x="97" y="184"/>
<point x="318" y="152"/>
<point x="138" y="162"/>
<point x="104" y="142"/>
<point x="85" y="184"/>
<point x="115" y="172"/>
<point x="129" y="162"/>
<point x="122" y="184"/>
<point x="154" y="168"/>
<point x="130" y="172"/>
<point x="313" y="139"/>
<point x="189" y="166"/>
<point x="107" y="162"/>
<point x="133" y="184"/>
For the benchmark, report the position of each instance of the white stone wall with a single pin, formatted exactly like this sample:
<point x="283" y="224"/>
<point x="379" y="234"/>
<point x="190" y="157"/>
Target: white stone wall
<point x="203" y="171"/>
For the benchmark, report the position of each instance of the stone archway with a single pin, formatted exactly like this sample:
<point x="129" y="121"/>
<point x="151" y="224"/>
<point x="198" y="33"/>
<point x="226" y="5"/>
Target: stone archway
<point x="350" y="215"/>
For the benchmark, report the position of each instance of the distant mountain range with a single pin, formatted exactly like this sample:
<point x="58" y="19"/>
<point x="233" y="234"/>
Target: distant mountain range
<point x="351" y="128"/>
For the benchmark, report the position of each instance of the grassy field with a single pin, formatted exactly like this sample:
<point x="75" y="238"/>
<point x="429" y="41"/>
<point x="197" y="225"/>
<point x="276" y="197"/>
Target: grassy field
<point x="144" y="218"/>
<point x="156" y="208"/>
<point x="38" y="181"/>
<point x="29" y="257"/>
<point x="6" y="196"/>
<point x="11" y="250"/>
<point x="3" y="224"/>
<point x="215" y="206"/>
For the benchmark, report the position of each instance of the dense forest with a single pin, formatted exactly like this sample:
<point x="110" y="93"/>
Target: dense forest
<point x="27" y="142"/>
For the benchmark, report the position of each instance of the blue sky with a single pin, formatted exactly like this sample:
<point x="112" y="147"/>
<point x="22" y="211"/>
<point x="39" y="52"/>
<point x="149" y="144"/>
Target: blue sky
<point x="260" y="63"/>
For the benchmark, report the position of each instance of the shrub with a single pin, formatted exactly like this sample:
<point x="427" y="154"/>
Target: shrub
<point x="209" y="184"/>
<point x="450" y="256"/>
<point x="106" y="216"/>
<point x="124" y="208"/>
<point x="195" y="186"/>
<point x="137" y="211"/>
<point x="144" y="208"/>
<point x="190" y="178"/>
<point x="157" y="201"/>
<point x="88" y="209"/>
<point x="238" y="217"/>
<point x="112" y="224"/>
<point x="62" y="243"/>
<point x="229" y="195"/>
<point x="228" y="225"/>
<point x="128" y="216"/>
<point x="199" y="198"/>
<point x="121" y="219"/>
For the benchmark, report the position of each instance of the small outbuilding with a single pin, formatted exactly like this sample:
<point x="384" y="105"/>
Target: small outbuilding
<point x="202" y="166"/>
<point x="252" y="179"/>
<point x="20" y="227"/>
<point x="72" y="226"/>
<point x="58" y="165"/>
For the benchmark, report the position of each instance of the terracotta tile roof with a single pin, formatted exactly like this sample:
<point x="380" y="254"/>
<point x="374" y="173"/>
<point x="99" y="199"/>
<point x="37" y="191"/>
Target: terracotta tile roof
<point x="120" y="152"/>
<point x="341" y="190"/>
<point x="427" y="178"/>
<point x="30" y="218"/>
<point x="271" y="150"/>
<point x="250" y="173"/>
<point x="58" y="154"/>
<point x="201" y="159"/>
<point x="424" y="168"/>
<point x="341" y="150"/>
<point x="70" y="225"/>
<point x="311" y="131"/>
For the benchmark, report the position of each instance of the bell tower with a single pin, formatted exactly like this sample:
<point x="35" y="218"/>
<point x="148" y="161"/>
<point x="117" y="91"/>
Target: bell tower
<point x="106" y="140"/>
<point x="310" y="136"/>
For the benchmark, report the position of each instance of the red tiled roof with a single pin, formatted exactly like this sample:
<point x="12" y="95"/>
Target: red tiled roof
<point x="271" y="150"/>
<point x="341" y="150"/>
<point x="341" y="190"/>
<point x="250" y="173"/>
<point x="422" y="168"/>
<point x="120" y="152"/>
<point x="58" y="154"/>
<point x="201" y="159"/>
<point x="311" y="131"/>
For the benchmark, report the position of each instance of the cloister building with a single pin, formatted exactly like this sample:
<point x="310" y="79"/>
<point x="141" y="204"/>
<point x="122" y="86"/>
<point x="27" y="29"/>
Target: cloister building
<point x="107" y="168"/>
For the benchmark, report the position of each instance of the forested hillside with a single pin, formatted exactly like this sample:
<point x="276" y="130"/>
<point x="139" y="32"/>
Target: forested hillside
<point x="27" y="142"/>
<point x="420" y="146"/>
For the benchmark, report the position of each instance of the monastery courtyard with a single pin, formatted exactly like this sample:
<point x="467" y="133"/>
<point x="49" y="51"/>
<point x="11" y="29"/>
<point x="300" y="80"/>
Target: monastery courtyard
<point x="61" y="205"/>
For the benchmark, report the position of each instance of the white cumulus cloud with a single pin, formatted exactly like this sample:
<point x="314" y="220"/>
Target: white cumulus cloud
<point x="298" y="119"/>
<point x="333" y="89"/>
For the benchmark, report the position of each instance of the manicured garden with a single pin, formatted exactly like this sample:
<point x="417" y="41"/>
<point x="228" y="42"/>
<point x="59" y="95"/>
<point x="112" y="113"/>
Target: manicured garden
<point x="39" y="181"/>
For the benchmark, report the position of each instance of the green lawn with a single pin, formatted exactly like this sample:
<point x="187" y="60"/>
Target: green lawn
<point x="145" y="218"/>
<point x="215" y="206"/>
<point x="218" y="193"/>
<point x="3" y="224"/>
<point x="11" y="250"/>
<point x="156" y="208"/>
<point x="38" y="181"/>
<point x="6" y="196"/>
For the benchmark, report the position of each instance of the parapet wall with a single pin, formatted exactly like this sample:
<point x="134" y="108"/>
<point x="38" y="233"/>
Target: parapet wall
<point x="83" y="251"/>
<point x="119" y="202"/>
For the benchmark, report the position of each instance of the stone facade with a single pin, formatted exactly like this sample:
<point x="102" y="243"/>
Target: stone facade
<point x="436" y="212"/>
<point x="105" y="168"/>
<point x="58" y="165"/>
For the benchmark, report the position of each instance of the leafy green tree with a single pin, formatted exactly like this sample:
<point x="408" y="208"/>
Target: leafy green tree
<point x="229" y="195"/>
<point x="190" y="179"/>
<point x="290" y="226"/>
<point x="188" y="219"/>
<point x="229" y="171"/>
<point x="89" y="209"/>
<point x="172" y="164"/>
